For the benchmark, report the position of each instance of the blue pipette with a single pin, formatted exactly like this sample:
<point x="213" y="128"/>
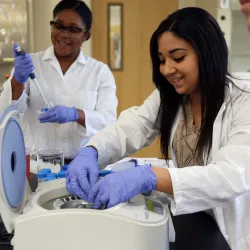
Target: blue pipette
<point x="33" y="78"/>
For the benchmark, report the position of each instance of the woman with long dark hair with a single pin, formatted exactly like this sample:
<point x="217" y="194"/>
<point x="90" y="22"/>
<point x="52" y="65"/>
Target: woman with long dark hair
<point x="201" y="114"/>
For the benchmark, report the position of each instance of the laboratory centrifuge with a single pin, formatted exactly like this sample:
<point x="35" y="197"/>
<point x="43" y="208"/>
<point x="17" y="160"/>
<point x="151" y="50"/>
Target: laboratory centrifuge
<point x="52" y="219"/>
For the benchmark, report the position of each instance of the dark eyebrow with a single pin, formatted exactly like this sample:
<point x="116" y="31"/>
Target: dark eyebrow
<point x="71" y="24"/>
<point x="174" y="50"/>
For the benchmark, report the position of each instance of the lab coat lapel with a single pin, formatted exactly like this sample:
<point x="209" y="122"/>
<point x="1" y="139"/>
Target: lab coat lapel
<point x="174" y="127"/>
<point x="55" y="64"/>
<point x="218" y="123"/>
<point x="216" y="144"/>
<point x="217" y="130"/>
<point x="50" y="55"/>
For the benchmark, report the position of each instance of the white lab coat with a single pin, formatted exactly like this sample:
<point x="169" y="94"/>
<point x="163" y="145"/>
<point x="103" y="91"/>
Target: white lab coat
<point x="223" y="184"/>
<point x="88" y="85"/>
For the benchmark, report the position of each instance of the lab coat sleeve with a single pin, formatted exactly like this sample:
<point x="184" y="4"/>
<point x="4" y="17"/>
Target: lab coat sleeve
<point x="199" y="188"/>
<point x="105" y="111"/>
<point x="6" y="96"/>
<point x="135" y="128"/>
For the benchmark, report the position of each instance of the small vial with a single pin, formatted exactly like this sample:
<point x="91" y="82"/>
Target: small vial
<point x="62" y="174"/>
<point x="65" y="167"/>
<point x="50" y="178"/>
<point x="41" y="176"/>
<point x="52" y="175"/>
<point x="45" y="170"/>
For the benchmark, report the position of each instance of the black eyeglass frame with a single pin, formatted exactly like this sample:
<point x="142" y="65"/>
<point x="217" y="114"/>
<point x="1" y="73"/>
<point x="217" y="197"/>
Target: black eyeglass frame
<point x="69" y="29"/>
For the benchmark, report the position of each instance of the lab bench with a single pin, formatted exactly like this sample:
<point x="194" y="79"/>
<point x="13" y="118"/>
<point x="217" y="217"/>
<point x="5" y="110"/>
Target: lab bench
<point x="196" y="231"/>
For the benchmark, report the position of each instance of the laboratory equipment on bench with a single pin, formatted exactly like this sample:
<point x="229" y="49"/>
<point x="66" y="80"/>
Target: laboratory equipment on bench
<point x="50" y="158"/>
<point x="62" y="220"/>
<point x="33" y="78"/>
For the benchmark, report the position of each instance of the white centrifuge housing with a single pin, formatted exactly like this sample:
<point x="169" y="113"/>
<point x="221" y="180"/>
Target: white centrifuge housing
<point x="141" y="224"/>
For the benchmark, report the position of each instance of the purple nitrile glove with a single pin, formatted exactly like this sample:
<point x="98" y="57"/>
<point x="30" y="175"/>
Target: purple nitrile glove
<point x="59" y="114"/>
<point x="82" y="173"/>
<point x="23" y="66"/>
<point x="121" y="186"/>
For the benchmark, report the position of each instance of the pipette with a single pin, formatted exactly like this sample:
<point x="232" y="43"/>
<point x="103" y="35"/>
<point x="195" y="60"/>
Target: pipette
<point x="33" y="78"/>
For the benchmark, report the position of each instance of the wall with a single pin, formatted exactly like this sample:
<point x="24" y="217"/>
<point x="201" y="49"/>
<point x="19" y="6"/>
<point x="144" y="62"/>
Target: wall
<point x="208" y="5"/>
<point x="87" y="46"/>
<point x="240" y="43"/>
<point x="39" y="21"/>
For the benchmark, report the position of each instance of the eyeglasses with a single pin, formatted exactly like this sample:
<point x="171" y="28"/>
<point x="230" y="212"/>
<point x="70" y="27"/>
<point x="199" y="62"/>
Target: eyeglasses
<point x="70" y="29"/>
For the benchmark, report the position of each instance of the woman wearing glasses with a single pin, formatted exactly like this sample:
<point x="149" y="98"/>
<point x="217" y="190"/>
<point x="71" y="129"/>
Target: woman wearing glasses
<point x="81" y="88"/>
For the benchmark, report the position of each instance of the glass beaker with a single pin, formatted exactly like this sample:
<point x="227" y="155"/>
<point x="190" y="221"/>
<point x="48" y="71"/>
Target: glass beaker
<point x="50" y="158"/>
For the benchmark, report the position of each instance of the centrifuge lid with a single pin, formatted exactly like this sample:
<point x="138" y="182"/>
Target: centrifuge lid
<point x="12" y="167"/>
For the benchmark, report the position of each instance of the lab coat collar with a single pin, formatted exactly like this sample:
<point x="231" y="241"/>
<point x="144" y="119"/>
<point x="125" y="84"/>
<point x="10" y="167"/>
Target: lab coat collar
<point x="228" y="92"/>
<point x="50" y="55"/>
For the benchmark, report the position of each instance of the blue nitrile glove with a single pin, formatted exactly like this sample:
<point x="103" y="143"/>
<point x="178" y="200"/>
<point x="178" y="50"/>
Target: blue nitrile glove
<point x="121" y="186"/>
<point x="59" y="114"/>
<point x="82" y="173"/>
<point x="23" y="66"/>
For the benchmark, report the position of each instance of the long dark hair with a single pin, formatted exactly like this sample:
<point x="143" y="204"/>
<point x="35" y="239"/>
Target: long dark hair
<point x="200" y="29"/>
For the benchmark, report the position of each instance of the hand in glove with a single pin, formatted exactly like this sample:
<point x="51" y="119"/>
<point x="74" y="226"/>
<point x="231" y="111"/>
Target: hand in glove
<point x="82" y="173"/>
<point x="59" y="114"/>
<point x="121" y="186"/>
